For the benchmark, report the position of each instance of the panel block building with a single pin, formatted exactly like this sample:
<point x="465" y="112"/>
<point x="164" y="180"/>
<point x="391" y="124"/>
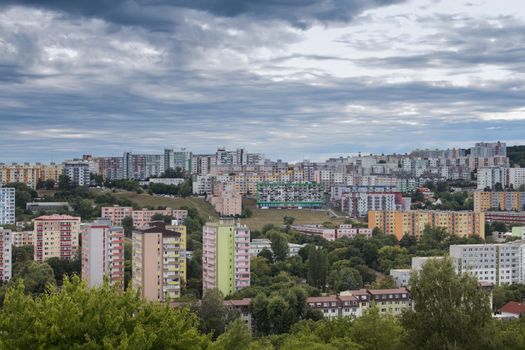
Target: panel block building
<point x="102" y="253"/>
<point x="225" y="256"/>
<point x="413" y="222"/>
<point x="290" y="195"/>
<point x="159" y="260"/>
<point x="56" y="236"/>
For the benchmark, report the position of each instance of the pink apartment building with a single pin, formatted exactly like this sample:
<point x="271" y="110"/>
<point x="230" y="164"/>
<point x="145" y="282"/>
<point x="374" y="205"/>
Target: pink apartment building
<point x="102" y="253"/>
<point x="141" y="217"/>
<point x="55" y="236"/>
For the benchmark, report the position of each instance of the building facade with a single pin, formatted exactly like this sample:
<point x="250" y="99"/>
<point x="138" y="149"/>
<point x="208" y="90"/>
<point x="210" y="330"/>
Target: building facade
<point x="290" y="195"/>
<point x="413" y="222"/>
<point x="505" y="201"/>
<point x="6" y="253"/>
<point x="225" y="256"/>
<point x="55" y="236"/>
<point x="103" y="253"/>
<point x="495" y="263"/>
<point x="78" y="172"/>
<point x="159" y="261"/>
<point x="7" y="205"/>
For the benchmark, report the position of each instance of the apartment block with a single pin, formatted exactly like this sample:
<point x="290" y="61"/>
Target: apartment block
<point x="290" y="195"/>
<point x="22" y="238"/>
<point x="55" y="236"/>
<point x="495" y="263"/>
<point x="505" y="201"/>
<point x="159" y="260"/>
<point x="346" y="230"/>
<point x="354" y="303"/>
<point x="6" y="252"/>
<point x="225" y="256"/>
<point x="102" y="253"/>
<point x="29" y="174"/>
<point x="413" y="222"/>
<point x="257" y="245"/>
<point x="78" y="172"/>
<point x="225" y="199"/>
<point x="116" y="214"/>
<point x="140" y="217"/>
<point x="506" y="217"/>
<point x="7" y="205"/>
<point x="143" y="217"/>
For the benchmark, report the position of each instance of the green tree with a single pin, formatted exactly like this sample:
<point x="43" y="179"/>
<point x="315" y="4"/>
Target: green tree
<point x="377" y="332"/>
<point x="279" y="244"/>
<point x="317" y="267"/>
<point x="76" y="317"/>
<point x="450" y="311"/>
<point x="237" y="336"/>
<point x="127" y="225"/>
<point x="392" y="257"/>
<point x="345" y="278"/>
<point x="213" y="313"/>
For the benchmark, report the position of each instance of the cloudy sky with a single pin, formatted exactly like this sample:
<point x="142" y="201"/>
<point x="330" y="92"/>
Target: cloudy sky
<point x="293" y="79"/>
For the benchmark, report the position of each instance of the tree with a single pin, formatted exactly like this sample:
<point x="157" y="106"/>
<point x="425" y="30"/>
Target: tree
<point x="237" y="336"/>
<point x="450" y="311"/>
<point x="392" y="257"/>
<point x="279" y="244"/>
<point x="64" y="267"/>
<point x="127" y="225"/>
<point x="345" y="278"/>
<point x="376" y="332"/>
<point x="317" y="267"/>
<point x="267" y="254"/>
<point x="77" y="317"/>
<point x="213" y="313"/>
<point x="288" y="221"/>
<point x="386" y="282"/>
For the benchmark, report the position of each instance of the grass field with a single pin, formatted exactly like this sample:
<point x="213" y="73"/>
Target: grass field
<point x="259" y="218"/>
<point x="145" y="200"/>
<point x="262" y="217"/>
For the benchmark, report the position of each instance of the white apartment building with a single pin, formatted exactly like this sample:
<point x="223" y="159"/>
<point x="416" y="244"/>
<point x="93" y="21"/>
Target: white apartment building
<point x="496" y="263"/>
<point x="257" y="245"/>
<point x="7" y="205"/>
<point x="102" y="253"/>
<point x="78" y="172"/>
<point x="6" y="250"/>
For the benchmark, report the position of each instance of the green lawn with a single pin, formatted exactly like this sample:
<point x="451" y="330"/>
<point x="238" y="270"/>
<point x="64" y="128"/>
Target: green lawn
<point x="145" y="200"/>
<point x="262" y="217"/>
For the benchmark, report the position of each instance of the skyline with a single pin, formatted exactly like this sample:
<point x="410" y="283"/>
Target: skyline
<point x="284" y="79"/>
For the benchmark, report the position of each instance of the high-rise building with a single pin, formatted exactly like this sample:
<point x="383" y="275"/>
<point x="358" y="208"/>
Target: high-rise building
<point x="6" y="250"/>
<point x="496" y="263"/>
<point x="489" y="149"/>
<point x="116" y="214"/>
<point x="29" y="174"/>
<point x="55" y="236"/>
<point x="7" y="205"/>
<point x="102" y="253"/>
<point x="78" y="172"/>
<point x="225" y="256"/>
<point x="413" y="222"/>
<point x="159" y="260"/>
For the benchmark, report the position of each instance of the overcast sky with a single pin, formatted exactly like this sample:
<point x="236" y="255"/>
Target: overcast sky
<point x="293" y="79"/>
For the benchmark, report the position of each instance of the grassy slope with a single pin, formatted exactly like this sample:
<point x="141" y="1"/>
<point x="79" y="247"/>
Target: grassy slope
<point x="259" y="218"/>
<point x="262" y="217"/>
<point x="204" y="208"/>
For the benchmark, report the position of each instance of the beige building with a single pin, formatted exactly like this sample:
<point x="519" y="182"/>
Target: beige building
<point x="55" y="236"/>
<point x="505" y="201"/>
<point x="29" y="174"/>
<point x="159" y="261"/>
<point x="22" y="238"/>
<point x="226" y="200"/>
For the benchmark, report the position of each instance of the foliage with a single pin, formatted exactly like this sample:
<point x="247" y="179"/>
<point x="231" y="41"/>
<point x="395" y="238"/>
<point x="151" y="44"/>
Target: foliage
<point x="213" y="314"/>
<point x="279" y="244"/>
<point x="317" y="267"/>
<point x="63" y="267"/>
<point x="450" y="311"/>
<point x="374" y="331"/>
<point x="75" y="317"/>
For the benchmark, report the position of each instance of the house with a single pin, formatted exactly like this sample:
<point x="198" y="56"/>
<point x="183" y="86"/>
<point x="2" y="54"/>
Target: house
<point x="513" y="309"/>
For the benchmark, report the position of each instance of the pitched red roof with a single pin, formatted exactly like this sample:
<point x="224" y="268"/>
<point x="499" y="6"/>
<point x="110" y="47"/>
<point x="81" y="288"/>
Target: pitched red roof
<point x="513" y="307"/>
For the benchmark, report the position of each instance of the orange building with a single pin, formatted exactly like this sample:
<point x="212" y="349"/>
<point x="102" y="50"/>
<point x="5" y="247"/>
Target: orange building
<point x="505" y="201"/>
<point x="413" y="222"/>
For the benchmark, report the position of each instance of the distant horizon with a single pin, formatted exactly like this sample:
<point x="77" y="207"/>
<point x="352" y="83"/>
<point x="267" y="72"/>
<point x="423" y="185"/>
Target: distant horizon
<point x="328" y="156"/>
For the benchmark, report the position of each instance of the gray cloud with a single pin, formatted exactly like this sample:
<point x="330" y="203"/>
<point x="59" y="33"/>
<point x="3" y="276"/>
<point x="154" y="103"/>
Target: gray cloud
<point x="162" y="14"/>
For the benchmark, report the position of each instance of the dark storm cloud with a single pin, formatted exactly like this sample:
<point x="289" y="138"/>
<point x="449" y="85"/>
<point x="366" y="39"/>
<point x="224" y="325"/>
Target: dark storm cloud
<point x="162" y="14"/>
